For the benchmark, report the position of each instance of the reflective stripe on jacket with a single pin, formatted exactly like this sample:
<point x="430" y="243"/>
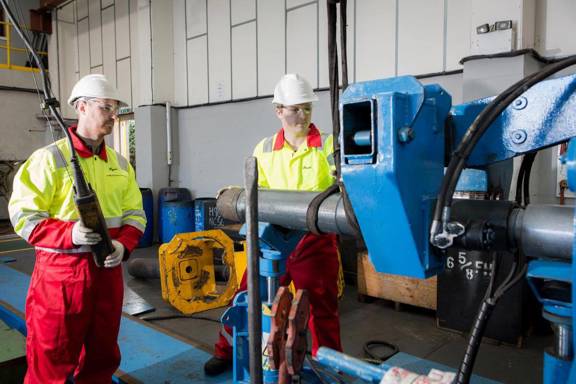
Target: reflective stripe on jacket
<point x="309" y="168"/>
<point x="42" y="208"/>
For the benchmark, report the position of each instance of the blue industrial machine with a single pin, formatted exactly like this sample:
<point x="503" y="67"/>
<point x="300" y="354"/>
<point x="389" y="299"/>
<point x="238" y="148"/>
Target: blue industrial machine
<point x="403" y="148"/>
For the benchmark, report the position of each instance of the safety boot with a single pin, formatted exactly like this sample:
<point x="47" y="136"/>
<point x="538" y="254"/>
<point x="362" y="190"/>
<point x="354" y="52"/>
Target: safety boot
<point x="216" y="366"/>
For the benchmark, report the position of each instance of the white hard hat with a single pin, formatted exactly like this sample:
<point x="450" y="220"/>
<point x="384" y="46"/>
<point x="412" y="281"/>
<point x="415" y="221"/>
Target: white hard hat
<point x="95" y="85"/>
<point x="293" y="89"/>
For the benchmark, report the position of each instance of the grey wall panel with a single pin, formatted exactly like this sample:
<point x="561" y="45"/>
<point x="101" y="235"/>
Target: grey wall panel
<point x="162" y="17"/>
<point x="95" y="23"/>
<point x="197" y="71"/>
<point x="67" y="60"/>
<point x="323" y="77"/>
<point x="180" y="57"/>
<point x="302" y="42"/>
<point x="123" y="82"/>
<point x="107" y="3"/>
<point x="82" y="8"/>
<point x="195" y="18"/>
<point x="134" y="54"/>
<point x="244" y="61"/>
<point x="219" y="52"/>
<point x="556" y="27"/>
<point x="24" y="133"/>
<point x="122" y="28"/>
<point x="53" y="56"/>
<point x="323" y="72"/>
<point x="420" y="36"/>
<point x="452" y="84"/>
<point x="458" y="28"/>
<point x="209" y="159"/>
<point x="271" y="44"/>
<point x="242" y="10"/>
<point x="296" y="3"/>
<point x="83" y="47"/>
<point x="143" y="55"/>
<point x="99" y="69"/>
<point x="109" y="44"/>
<point x="67" y="13"/>
<point x="375" y="39"/>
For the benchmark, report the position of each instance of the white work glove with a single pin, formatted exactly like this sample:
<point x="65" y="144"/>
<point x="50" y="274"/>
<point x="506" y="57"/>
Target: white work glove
<point x="115" y="258"/>
<point x="82" y="235"/>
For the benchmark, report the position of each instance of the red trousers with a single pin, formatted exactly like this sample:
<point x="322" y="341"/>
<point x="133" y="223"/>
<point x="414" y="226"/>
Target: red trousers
<point x="73" y="312"/>
<point x="312" y="266"/>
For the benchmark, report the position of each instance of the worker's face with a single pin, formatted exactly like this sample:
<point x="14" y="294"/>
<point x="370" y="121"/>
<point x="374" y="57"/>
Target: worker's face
<point x="295" y="117"/>
<point x="98" y="115"/>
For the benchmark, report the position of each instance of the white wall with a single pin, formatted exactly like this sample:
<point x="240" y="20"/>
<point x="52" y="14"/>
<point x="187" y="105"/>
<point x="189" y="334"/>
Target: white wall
<point x="196" y="52"/>
<point x="214" y="140"/>
<point x="110" y="37"/>
<point x="193" y="52"/>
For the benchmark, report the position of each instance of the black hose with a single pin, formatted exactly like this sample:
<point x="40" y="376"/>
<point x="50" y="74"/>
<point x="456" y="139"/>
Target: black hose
<point x="467" y="363"/>
<point x="369" y="346"/>
<point x="482" y="122"/>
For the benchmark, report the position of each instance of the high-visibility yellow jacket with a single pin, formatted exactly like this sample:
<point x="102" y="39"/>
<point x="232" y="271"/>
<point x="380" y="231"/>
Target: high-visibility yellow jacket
<point x="309" y="168"/>
<point x="42" y="208"/>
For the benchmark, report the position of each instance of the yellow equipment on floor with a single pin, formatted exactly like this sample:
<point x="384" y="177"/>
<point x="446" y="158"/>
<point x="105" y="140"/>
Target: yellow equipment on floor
<point x="187" y="271"/>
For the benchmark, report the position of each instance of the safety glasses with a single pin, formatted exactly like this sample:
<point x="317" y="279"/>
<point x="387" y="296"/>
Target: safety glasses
<point x="301" y="109"/>
<point x="104" y="107"/>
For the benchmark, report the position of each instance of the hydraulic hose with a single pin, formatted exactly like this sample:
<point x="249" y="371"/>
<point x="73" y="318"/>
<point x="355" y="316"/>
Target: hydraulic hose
<point x="441" y="214"/>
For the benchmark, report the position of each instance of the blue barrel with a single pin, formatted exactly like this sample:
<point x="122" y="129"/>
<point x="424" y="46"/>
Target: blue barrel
<point x="166" y="195"/>
<point x="148" y="203"/>
<point x="177" y="217"/>
<point x="206" y="215"/>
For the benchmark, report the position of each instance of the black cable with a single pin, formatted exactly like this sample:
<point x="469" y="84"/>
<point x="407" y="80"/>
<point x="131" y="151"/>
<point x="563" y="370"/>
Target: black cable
<point x="532" y="52"/>
<point x="467" y="363"/>
<point x="369" y="346"/>
<point x="482" y="122"/>
<point x="516" y="273"/>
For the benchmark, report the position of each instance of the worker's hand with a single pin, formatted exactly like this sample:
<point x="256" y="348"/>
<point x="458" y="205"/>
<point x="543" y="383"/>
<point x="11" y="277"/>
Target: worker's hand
<point x="82" y="235"/>
<point x="115" y="258"/>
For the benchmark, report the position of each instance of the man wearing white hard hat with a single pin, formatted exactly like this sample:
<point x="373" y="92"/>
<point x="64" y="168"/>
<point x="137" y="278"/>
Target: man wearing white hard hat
<point x="298" y="157"/>
<point x="73" y="307"/>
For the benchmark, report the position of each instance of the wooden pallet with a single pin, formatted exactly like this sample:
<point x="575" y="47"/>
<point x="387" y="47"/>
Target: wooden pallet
<point x="400" y="289"/>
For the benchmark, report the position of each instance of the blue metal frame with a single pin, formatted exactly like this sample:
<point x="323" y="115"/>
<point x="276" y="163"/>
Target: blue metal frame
<point x="393" y="181"/>
<point x="541" y="117"/>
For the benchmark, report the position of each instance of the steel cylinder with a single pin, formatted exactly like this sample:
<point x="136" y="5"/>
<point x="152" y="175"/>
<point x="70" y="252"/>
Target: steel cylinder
<point x="287" y="209"/>
<point x="544" y="231"/>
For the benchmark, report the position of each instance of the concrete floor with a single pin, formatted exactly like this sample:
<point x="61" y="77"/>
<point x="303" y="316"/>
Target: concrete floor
<point x="413" y="330"/>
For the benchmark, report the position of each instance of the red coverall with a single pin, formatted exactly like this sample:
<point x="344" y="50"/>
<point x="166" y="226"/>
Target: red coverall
<point x="73" y="308"/>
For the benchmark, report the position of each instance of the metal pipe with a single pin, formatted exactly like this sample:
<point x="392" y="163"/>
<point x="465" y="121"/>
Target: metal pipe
<point x="351" y="366"/>
<point x="168" y="133"/>
<point x="272" y="287"/>
<point x="253" y="254"/>
<point x="544" y="231"/>
<point x="563" y="341"/>
<point x="540" y="231"/>
<point x="287" y="209"/>
<point x="363" y="138"/>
